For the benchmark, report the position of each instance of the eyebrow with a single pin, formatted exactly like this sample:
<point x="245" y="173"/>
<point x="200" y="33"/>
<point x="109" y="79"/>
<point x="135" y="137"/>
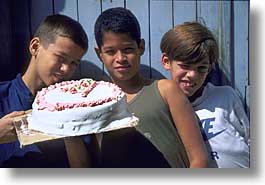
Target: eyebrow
<point x="126" y="44"/>
<point x="77" y="61"/>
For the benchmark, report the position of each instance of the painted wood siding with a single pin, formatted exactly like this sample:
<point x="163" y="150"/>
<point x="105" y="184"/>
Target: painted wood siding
<point x="228" y="20"/>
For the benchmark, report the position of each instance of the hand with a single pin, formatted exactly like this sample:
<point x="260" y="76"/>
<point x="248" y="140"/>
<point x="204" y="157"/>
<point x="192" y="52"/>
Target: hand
<point x="6" y="124"/>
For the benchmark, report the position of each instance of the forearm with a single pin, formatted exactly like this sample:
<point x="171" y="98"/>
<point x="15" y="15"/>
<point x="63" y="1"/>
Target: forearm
<point x="199" y="162"/>
<point x="78" y="156"/>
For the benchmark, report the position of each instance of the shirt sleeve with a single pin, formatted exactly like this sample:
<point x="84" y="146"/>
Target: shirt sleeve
<point x="239" y="119"/>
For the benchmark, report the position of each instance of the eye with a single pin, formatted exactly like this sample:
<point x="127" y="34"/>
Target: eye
<point x="60" y="58"/>
<point x="109" y="52"/>
<point x="128" y="50"/>
<point x="203" y="69"/>
<point x="184" y="66"/>
<point x="74" y="63"/>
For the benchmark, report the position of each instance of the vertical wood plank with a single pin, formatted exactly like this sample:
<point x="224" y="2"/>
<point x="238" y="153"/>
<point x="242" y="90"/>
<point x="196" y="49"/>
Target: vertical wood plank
<point x="184" y="11"/>
<point x="159" y="24"/>
<point x="66" y="7"/>
<point x="39" y="10"/>
<point x="6" y="41"/>
<point x="20" y="34"/>
<point x="247" y="108"/>
<point x="106" y="4"/>
<point x="224" y="42"/>
<point x="140" y="10"/>
<point x="91" y="66"/>
<point x="208" y="12"/>
<point x="241" y="42"/>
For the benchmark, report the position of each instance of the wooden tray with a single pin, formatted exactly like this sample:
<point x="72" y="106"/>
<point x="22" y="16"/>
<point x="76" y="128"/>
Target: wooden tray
<point x="28" y="136"/>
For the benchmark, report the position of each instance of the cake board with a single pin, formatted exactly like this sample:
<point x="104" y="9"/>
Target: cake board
<point x="28" y="136"/>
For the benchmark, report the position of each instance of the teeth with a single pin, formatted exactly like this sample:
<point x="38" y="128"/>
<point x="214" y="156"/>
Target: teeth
<point x="189" y="84"/>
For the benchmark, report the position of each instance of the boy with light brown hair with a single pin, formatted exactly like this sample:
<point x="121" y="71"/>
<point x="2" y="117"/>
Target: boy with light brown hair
<point x="189" y="52"/>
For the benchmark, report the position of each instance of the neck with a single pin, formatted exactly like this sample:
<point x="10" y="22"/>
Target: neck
<point x="197" y="94"/>
<point x="132" y="86"/>
<point x="32" y="80"/>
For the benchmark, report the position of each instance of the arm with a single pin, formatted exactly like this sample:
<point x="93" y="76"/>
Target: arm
<point x="239" y="119"/>
<point x="185" y="122"/>
<point x="78" y="155"/>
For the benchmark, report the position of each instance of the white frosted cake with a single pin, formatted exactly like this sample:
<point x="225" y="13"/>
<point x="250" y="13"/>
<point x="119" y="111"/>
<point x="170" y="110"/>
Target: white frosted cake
<point x="79" y="107"/>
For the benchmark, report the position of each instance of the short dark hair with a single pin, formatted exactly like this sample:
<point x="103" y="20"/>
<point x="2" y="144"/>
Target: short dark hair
<point x="190" y="42"/>
<point x="117" y="20"/>
<point x="64" y="26"/>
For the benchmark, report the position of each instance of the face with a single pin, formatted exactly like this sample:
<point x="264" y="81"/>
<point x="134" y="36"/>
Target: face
<point x="58" y="61"/>
<point x="189" y="77"/>
<point x="121" y="55"/>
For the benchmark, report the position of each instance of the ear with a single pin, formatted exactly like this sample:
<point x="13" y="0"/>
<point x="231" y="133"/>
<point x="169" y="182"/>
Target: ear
<point x="98" y="52"/>
<point x="142" y="46"/>
<point x="34" y="46"/>
<point x="165" y="61"/>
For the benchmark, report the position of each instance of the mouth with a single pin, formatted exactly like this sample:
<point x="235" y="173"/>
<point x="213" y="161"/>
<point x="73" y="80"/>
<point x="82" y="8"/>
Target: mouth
<point x="59" y="77"/>
<point x="122" y="68"/>
<point x="187" y="84"/>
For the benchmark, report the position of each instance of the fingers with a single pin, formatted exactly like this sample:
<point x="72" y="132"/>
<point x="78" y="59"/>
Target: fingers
<point x="6" y="123"/>
<point x="14" y="114"/>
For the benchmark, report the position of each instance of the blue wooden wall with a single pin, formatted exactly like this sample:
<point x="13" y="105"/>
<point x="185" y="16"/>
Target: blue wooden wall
<point x="228" y="20"/>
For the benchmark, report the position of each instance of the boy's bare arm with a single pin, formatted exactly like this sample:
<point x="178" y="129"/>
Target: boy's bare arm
<point x="186" y="123"/>
<point x="77" y="154"/>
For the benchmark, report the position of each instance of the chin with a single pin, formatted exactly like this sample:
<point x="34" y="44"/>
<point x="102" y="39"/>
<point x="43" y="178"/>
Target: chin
<point x="187" y="93"/>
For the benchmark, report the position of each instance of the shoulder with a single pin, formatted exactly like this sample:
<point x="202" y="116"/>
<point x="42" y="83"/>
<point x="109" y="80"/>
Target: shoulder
<point x="169" y="89"/>
<point x="4" y="88"/>
<point x="165" y="85"/>
<point x="219" y="96"/>
<point x="8" y="87"/>
<point x="4" y="94"/>
<point x="220" y="91"/>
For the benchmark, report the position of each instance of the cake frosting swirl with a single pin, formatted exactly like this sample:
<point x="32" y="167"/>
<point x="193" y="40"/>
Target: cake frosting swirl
<point x="78" y="107"/>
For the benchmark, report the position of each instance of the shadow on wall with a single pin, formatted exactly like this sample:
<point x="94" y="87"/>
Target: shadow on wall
<point x="148" y="72"/>
<point x="216" y="76"/>
<point x="90" y="70"/>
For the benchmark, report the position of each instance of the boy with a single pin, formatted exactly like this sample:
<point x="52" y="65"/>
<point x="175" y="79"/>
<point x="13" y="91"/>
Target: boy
<point x="189" y="52"/>
<point x="164" y="112"/>
<point x="56" y="49"/>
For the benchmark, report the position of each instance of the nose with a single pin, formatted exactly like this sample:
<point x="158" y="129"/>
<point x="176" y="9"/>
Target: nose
<point x="120" y="57"/>
<point x="192" y="73"/>
<point x="66" y="68"/>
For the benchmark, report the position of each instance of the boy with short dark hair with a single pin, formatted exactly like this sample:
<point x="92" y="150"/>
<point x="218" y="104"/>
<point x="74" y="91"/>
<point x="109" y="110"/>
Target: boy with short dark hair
<point x="167" y="121"/>
<point x="56" y="50"/>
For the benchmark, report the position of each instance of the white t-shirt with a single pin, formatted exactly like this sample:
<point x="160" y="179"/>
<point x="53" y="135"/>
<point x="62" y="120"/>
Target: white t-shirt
<point x="225" y="127"/>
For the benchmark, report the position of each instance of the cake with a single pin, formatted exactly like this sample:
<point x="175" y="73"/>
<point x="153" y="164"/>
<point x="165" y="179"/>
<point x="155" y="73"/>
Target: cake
<point x="79" y="107"/>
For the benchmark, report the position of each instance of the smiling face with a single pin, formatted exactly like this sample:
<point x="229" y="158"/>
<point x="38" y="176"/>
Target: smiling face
<point x="121" y="55"/>
<point x="57" y="61"/>
<point x="189" y="77"/>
